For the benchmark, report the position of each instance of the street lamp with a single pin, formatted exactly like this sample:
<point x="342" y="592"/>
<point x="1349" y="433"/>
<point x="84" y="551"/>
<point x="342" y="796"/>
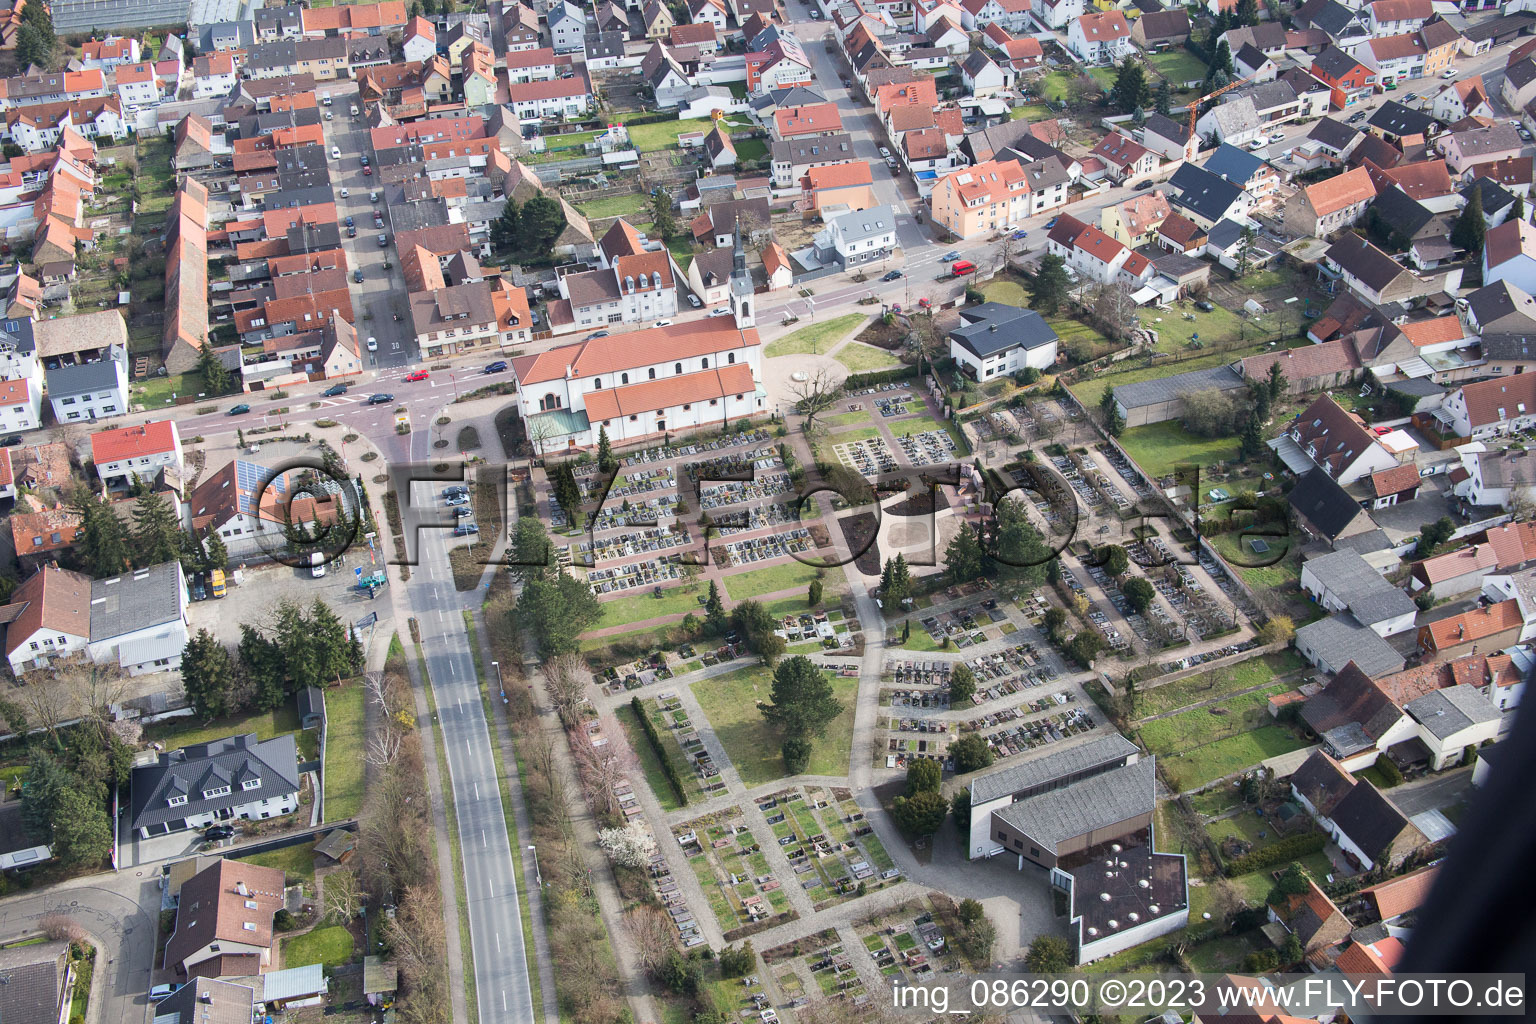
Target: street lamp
<point x="499" y="686"/>
<point x="537" y="875"/>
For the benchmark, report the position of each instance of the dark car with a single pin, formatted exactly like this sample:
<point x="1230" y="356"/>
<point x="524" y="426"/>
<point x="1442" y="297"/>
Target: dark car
<point x="214" y="832"/>
<point x="357" y="275"/>
<point x="1203" y="306"/>
<point x="497" y="367"/>
<point x="1143" y="186"/>
<point x="349" y="220"/>
<point x="1020" y="235"/>
<point x="236" y="410"/>
<point x="351" y="232"/>
<point x="465" y="529"/>
<point x="380" y="399"/>
<point x="334" y="390"/>
<point x="595" y="335"/>
<point x="894" y="275"/>
<point x="455" y="491"/>
<point x="364" y="161"/>
<point x="10" y="442"/>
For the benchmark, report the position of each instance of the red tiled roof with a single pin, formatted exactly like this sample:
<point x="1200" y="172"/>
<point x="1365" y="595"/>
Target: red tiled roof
<point x="1395" y="480"/>
<point x="52" y="598"/>
<point x="1434" y="332"/>
<point x="1485" y="398"/>
<point x="669" y="392"/>
<point x="1473" y="625"/>
<point x="1399" y="895"/>
<point x="1344" y="190"/>
<point x="150" y="438"/>
<point x="637" y="348"/>
<point x="837" y="176"/>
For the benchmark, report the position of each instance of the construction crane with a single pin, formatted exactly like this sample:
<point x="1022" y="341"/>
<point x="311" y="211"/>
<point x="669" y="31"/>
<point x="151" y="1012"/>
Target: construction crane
<point x="1194" y="108"/>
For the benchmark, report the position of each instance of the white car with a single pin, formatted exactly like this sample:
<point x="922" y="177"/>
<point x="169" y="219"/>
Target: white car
<point x="335" y="152"/>
<point x="1448" y="73"/>
<point x="662" y="323"/>
<point x="885" y="153"/>
<point x="373" y="344"/>
<point x="1257" y="144"/>
<point x="1276" y="136"/>
<point x="722" y="311"/>
<point x="345" y="193"/>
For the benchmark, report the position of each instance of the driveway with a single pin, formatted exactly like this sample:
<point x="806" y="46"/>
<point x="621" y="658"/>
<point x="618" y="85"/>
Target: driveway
<point x="1432" y="793"/>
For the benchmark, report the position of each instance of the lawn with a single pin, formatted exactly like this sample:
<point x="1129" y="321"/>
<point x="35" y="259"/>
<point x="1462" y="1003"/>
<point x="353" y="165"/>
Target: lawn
<point x="861" y="358"/>
<point x="846" y="419"/>
<point x="343" y="769"/>
<point x="179" y="732"/>
<point x="856" y="434"/>
<point x="1224" y="757"/>
<point x="730" y="703"/>
<point x="1054" y="86"/>
<point x="297" y="861"/>
<point x="650" y="760"/>
<point x="750" y="149"/>
<point x="1286" y="570"/>
<point x="1089" y="391"/>
<point x="769" y="580"/>
<point x="917" y="425"/>
<point x="330" y="945"/>
<point x="1009" y="293"/>
<point x="1031" y="111"/>
<point x="1178" y="66"/>
<point x="1160" y="447"/>
<point x="663" y="134"/>
<point x="1156" y="700"/>
<point x="1105" y="77"/>
<point x="1191" y="729"/>
<point x="624" y="610"/>
<point x="614" y="206"/>
<point x="815" y="338"/>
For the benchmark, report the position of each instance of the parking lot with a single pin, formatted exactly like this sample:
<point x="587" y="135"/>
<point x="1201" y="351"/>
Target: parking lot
<point x="256" y="591"/>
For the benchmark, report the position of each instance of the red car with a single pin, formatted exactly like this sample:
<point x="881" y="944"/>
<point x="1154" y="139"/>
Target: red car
<point x="367" y="172"/>
<point x="923" y="303"/>
<point x="418" y="375"/>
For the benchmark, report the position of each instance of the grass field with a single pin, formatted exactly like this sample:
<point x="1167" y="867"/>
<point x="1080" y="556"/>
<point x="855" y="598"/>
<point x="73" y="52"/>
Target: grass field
<point x="1172" y="330"/>
<point x="1009" y="293"/>
<point x="294" y="861"/>
<point x="771" y="579"/>
<point x="1223" y="757"/>
<point x="1031" y="111"/>
<point x="1104" y="76"/>
<point x="1205" y="744"/>
<point x="1054" y="86"/>
<point x="614" y="206"/>
<point x="343" y="768"/>
<point x="916" y="425"/>
<point x="662" y="134"/>
<point x="846" y="419"/>
<point x="730" y="702"/>
<point x="1178" y="66"/>
<point x="178" y="732"/>
<point x="330" y="945"/>
<point x="1282" y="572"/>
<point x="623" y="610"/>
<point x="1159" y="447"/>
<point x="861" y="358"/>
<point x="1206" y="686"/>
<point x="650" y="761"/>
<point x="815" y="338"/>
<point x="750" y="149"/>
<point x="856" y="434"/>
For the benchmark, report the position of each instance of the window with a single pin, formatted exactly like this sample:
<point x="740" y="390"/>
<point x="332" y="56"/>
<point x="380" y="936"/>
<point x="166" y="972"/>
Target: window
<point x="730" y="357"/>
<point x="250" y="784"/>
<point x="634" y="419"/>
<point x="1034" y="852"/>
<point x="686" y="406"/>
<point x="176" y="801"/>
<point x="714" y="401"/>
<point x="249" y="926"/>
<point x="653" y="373"/>
<point x="705" y="362"/>
<point x="624" y="378"/>
<point x="34" y="645"/>
<point x="209" y="794"/>
<point x="677" y="367"/>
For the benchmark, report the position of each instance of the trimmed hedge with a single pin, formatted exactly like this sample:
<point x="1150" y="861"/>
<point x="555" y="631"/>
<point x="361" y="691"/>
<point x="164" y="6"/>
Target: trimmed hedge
<point x="1285" y="851"/>
<point x="869" y="380"/>
<point x="661" y="754"/>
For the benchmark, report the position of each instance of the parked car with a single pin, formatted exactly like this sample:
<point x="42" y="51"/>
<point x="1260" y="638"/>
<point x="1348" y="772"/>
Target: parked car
<point x="1141" y="186"/>
<point x="662" y="323"/>
<point x="236" y="410"/>
<point x="894" y="275"/>
<point x="412" y="378"/>
<point x="595" y="335"/>
<point x="1276" y="136"/>
<point x="497" y="367"/>
<point x="373" y="197"/>
<point x="952" y="255"/>
<point x="345" y="193"/>
<point x="383" y="241"/>
<point x="335" y="152"/>
<point x="465" y="529"/>
<point x="456" y="500"/>
<point x="351" y="232"/>
<point x="373" y="344"/>
<point x="381" y="398"/>
<point x="367" y="172"/>
<point x="450" y="491"/>
<point x="213" y="832"/>
<point x="1204" y="306"/>
<point x="885" y="153"/>
<point x="363" y="160"/>
<point x="720" y="311"/>
<point x="1258" y="144"/>
<point x="357" y="275"/>
<point x="1448" y="73"/>
<point x="349" y="222"/>
<point x="334" y="390"/>
<point x="963" y="267"/>
<point x="695" y="301"/>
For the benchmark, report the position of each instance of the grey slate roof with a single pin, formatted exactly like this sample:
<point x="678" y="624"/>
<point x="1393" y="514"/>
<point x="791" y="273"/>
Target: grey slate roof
<point x="138" y="600"/>
<point x="993" y="327"/>
<point x="1167" y="128"/>
<point x="1336" y="135"/>
<point x="85" y="378"/>
<point x="16" y="336"/>
<point x="1085" y="757"/>
<point x="1325" y="504"/>
<point x="1516" y="347"/>
<point x="1365" y="591"/>
<point x="202" y="766"/>
<point x="857" y="225"/>
<point x="1370" y="820"/>
<point x="605" y="44"/>
<point x="817" y="149"/>
<point x="32" y="984"/>
<point x="1233" y="164"/>
<point x="1168" y="389"/>
<point x="1446" y="712"/>
<point x="1203" y="193"/>
<point x="1093" y="803"/>
<point x="1395" y="119"/>
<point x="1373" y="267"/>
<point x="1339" y="639"/>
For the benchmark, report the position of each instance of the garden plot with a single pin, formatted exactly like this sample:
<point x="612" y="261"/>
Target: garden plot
<point x="761" y="517"/>
<point x="824" y="628"/>
<point x="929" y="448"/>
<point x="893" y="405"/>
<point x="833" y="851"/>
<point x="627" y="545"/>
<point x="651" y="572"/>
<point x="672" y="717"/>
<point x="763" y="549"/>
<point x="664" y="453"/>
<point x="732" y="492"/>
<point x="870" y="456"/>
<point x="733" y="871"/>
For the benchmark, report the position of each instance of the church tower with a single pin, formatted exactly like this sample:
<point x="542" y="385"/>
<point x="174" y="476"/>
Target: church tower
<point x="743" y="299"/>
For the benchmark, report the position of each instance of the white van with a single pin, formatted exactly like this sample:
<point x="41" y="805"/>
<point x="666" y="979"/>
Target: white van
<point x="317" y="564"/>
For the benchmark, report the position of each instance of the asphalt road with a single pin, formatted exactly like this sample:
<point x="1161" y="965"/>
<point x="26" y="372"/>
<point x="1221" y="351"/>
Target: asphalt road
<point x="495" y="923"/>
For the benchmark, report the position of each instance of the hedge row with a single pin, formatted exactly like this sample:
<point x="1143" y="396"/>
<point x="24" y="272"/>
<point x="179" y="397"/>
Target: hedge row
<point x="1285" y="851"/>
<point x="856" y="381"/>
<point x="661" y="754"/>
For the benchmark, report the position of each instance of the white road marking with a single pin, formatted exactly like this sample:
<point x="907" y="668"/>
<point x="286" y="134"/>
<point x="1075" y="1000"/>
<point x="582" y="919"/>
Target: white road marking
<point x="483" y="843"/>
<point x="498" y="942"/>
<point x="477" y="797"/>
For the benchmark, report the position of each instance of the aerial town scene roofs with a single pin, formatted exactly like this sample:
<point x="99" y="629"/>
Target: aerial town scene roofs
<point x="731" y="510"/>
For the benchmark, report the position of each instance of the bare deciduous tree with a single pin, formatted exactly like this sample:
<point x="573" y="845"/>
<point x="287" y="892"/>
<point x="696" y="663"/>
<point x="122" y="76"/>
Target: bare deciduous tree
<point x="815" y="395"/>
<point x="61" y="927"/>
<point x="566" y="678"/>
<point x="653" y="932"/>
<point x="603" y="765"/>
<point x="343" y="895"/>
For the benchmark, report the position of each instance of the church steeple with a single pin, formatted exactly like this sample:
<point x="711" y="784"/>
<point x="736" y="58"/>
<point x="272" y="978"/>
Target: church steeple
<point x="743" y="299"/>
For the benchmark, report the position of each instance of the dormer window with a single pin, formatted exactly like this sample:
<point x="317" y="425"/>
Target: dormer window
<point x="250" y="784"/>
<point x="209" y="794"/>
<point x="176" y="801"/>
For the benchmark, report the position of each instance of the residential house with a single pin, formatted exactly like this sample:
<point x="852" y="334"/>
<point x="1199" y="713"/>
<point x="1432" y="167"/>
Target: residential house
<point x="1519" y="87"/>
<point x="995" y="340"/>
<point x="562" y="98"/>
<point x="1347" y="79"/>
<point x="790" y="159"/>
<point x="1337" y="442"/>
<point x="1179" y="234"/>
<point x="1378" y="278"/>
<point x="856" y="237"/>
<point x="1236" y="121"/>
<point x="657" y="19"/>
<point x="1393" y="17"/>
<point x="420" y="41"/>
<point x="1394" y="58"/>
<point x="141" y="452"/>
<point x="568" y="26"/>
<point x="982" y="75"/>
<point x="1135" y="221"/>
<point x="1343" y="581"/>
<point x="1252" y="64"/>
<point x="1509" y="254"/>
<point x="1206" y="198"/>
<point x="139" y="619"/>
<point x="90" y="390"/>
<point x="1125" y="159"/>
<point x="1501" y="308"/>
<point x="810" y="120"/>
<point x="1170" y="139"/>
<point x="1490" y="408"/>
<point x="49" y="618"/>
<point x="981" y="198"/>
<point x="1467" y="97"/>
<point x="1087" y="250"/>
<point x="1100" y="38"/>
<point x="213" y="75"/>
<point x="1487" y="627"/>
<point x="1495" y="480"/>
<point x="1480" y="145"/>
<point x="1312" y="917"/>
<point x="1058" y="14"/>
<point x="1250" y="173"/>
<point x="224" y="914"/>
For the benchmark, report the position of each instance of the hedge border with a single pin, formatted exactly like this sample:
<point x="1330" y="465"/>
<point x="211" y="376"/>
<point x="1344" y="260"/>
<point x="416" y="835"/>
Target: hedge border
<point x="1291" y="848"/>
<point x="667" y="768"/>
